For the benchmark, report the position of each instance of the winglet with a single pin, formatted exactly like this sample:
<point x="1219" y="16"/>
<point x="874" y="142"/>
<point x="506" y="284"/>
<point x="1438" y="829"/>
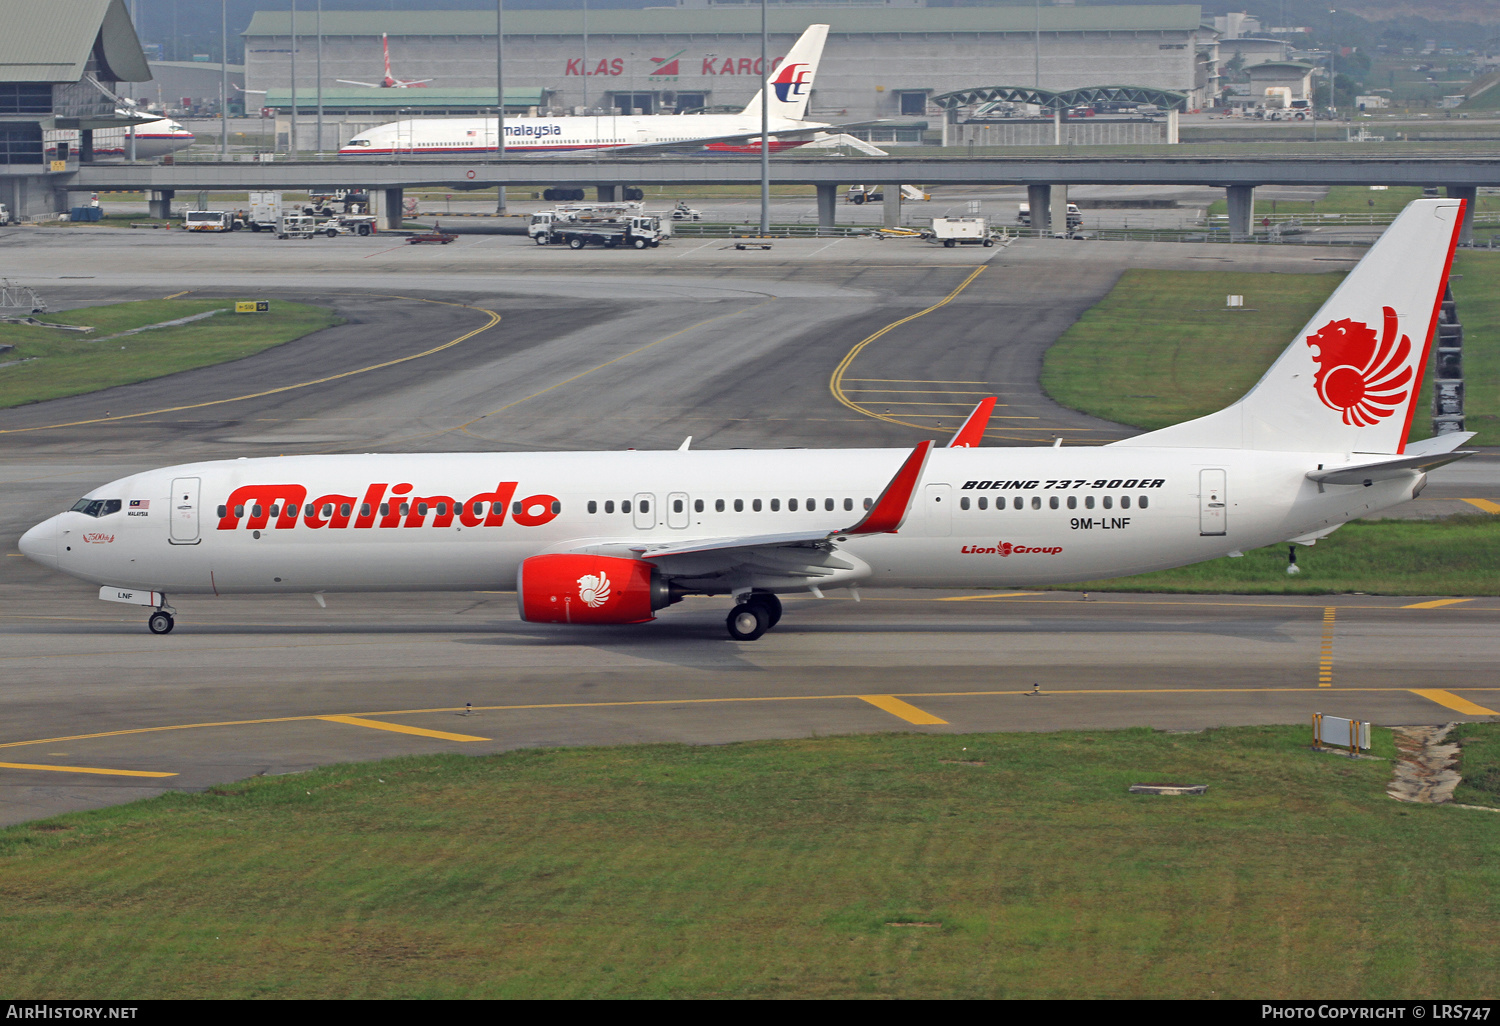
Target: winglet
<point x="972" y="433"/>
<point x="889" y="511"/>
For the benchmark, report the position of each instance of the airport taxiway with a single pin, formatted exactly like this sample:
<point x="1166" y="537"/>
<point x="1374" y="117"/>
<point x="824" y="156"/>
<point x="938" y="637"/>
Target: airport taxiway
<point x="608" y="349"/>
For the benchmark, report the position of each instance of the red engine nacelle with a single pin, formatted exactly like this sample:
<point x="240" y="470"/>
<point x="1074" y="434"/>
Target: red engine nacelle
<point x="568" y="588"/>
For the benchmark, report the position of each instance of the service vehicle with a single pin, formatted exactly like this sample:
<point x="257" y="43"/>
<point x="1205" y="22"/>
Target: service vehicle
<point x="265" y="212"/>
<point x="683" y="212"/>
<point x="293" y="225"/>
<point x="1324" y="437"/>
<point x="1023" y="215"/>
<point x="209" y="221"/>
<point x="348" y="224"/>
<point x="960" y="231"/>
<point x="639" y="231"/>
<point x="542" y="221"/>
<point x="4" y="214"/>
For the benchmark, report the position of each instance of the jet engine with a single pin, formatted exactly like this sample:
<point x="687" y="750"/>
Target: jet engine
<point x="573" y="588"/>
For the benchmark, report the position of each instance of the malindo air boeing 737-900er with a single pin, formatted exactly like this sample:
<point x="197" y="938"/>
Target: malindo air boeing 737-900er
<point x="613" y="537"/>
<point x="791" y="84"/>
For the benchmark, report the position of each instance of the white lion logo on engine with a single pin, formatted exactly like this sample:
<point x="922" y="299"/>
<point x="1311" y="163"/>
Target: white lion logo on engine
<point x="593" y="590"/>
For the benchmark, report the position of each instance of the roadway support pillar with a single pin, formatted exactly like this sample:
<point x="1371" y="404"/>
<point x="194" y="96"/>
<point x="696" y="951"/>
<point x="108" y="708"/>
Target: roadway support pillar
<point x="1470" y="195"/>
<point x="159" y="203"/>
<point x="1241" y="211"/>
<point x="605" y="193"/>
<point x="1039" y="202"/>
<point x="1059" y="210"/>
<point x="392" y="207"/>
<point x="86" y="146"/>
<point x="891" y="192"/>
<point x="828" y="204"/>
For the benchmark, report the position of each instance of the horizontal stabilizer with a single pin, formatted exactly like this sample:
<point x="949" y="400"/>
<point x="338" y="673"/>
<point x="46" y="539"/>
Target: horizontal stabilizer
<point x="1369" y="473"/>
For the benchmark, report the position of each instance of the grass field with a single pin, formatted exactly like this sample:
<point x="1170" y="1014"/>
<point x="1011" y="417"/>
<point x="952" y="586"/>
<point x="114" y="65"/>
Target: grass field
<point x="1349" y="199"/>
<point x="1455" y="556"/>
<point x="1011" y="865"/>
<point x="1161" y="347"/>
<point x="58" y="363"/>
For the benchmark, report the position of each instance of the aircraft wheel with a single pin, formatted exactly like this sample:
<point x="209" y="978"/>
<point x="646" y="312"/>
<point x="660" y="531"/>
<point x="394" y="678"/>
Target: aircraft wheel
<point x="575" y="243"/>
<point x="747" y="621"/>
<point x="162" y="623"/>
<point x="770" y="603"/>
<point x="639" y="244"/>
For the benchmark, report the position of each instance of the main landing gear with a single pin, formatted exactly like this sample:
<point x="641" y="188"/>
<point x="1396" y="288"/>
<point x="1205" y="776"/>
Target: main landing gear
<point x="161" y="621"/>
<point x="753" y="617"/>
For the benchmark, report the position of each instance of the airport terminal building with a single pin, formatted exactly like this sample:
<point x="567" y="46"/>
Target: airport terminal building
<point x="879" y="62"/>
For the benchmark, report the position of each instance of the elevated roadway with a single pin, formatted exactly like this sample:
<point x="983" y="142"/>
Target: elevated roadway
<point x="1461" y="175"/>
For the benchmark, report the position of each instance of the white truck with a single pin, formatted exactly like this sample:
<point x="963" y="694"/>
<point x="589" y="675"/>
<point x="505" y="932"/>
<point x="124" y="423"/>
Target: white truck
<point x="542" y="224"/>
<point x="960" y="231"/>
<point x="639" y="231"/>
<point x="265" y="212"/>
<point x="1023" y="216"/>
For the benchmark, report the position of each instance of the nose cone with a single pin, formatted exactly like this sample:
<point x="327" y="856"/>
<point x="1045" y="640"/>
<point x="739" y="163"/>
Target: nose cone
<point x="40" y="543"/>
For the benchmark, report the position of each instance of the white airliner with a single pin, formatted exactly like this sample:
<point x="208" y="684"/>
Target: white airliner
<point x="389" y="82"/>
<point x="612" y="537"/>
<point x="791" y="86"/>
<point x="155" y="138"/>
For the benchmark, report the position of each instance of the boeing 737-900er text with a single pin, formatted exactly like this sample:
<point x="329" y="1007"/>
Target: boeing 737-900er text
<point x="612" y="537"/>
<point x="791" y="85"/>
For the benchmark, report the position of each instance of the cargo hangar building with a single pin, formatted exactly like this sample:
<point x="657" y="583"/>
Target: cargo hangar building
<point x="879" y="62"/>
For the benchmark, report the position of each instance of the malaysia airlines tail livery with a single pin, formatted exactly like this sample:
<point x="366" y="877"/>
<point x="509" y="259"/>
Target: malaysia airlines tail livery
<point x="612" y="537"/>
<point x="791" y="85"/>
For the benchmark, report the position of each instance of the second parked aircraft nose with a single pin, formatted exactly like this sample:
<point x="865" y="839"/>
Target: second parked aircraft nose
<point x="40" y="543"/>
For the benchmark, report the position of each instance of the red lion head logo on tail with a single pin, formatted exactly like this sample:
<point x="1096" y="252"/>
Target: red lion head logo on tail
<point x="1364" y="377"/>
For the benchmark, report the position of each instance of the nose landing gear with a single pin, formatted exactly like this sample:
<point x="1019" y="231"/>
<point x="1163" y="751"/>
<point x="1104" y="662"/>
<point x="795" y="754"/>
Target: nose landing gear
<point x="751" y="618"/>
<point x="161" y="621"/>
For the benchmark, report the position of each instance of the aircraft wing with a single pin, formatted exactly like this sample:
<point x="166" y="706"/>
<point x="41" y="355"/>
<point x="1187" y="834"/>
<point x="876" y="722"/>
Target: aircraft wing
<point x="699" y="143"/>
<point x="367" y="85"/>
<point x="787" y="560"/>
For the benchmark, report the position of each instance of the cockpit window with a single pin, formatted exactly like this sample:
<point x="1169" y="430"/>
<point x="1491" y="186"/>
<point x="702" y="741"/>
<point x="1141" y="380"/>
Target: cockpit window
<point x="358" y="142"/>
<point x="96" y="507"/>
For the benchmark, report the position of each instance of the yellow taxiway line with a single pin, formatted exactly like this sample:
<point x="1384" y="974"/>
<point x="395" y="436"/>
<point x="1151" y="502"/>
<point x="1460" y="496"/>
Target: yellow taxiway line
<point x="401" y="728"/>
<point x="1451" y="701"/>
<point x="904" y="710"/>
<point x="100" y="771"/>
<point x="1485" y="504"/>
<point x="1061" y="692"/>
<point x="494" y="319"/>
<point x="1436" y="603"/>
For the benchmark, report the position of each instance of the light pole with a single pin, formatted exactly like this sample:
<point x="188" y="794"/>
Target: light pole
<point x="1036" y="59"/>
<point x="292" y="138"/>
<point x="223" y="83"/>
<point x="319" y="146"/>
<point x="500" y="99"/>
<point x="765" y="129"/>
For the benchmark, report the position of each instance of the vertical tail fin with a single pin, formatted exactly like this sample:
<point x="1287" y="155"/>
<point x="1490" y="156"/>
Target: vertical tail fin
<point x="1349" y="381"/>
<point x="792" y="81"/>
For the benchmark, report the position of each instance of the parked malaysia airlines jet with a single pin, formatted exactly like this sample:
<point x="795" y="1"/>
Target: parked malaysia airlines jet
<point x="612" y="537"/>
<point x="155" y="138"/>
<point x="791" y="86"/>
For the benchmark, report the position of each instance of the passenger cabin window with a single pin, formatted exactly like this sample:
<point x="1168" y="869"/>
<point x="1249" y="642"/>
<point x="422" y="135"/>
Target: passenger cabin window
<point x="697" y="505"/>
<point x="1016" y="503"/>
<point x="1088" y="502"/>
<point x="1072" y="502"/>
<point x="775" y="505"/>
<point x="1109" y="502"/>
<point x="676" y="505"/>
<point x="984" y="503"/>
<point x="848" y="504"/>
<point x="1124" y="502"/>
<point x="755" y="505"/>
<point x="625" y="506"/>
<point x="593" y="506"/>
<point x="963" y="503"/>
<point x="1143" y="501"/>
<point x="791" y="505"/>
<point x="718" y="505"/>
<point x="609" y="505"/>
<point x="739" y="505"/>
<point x="1052" y="502"/>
